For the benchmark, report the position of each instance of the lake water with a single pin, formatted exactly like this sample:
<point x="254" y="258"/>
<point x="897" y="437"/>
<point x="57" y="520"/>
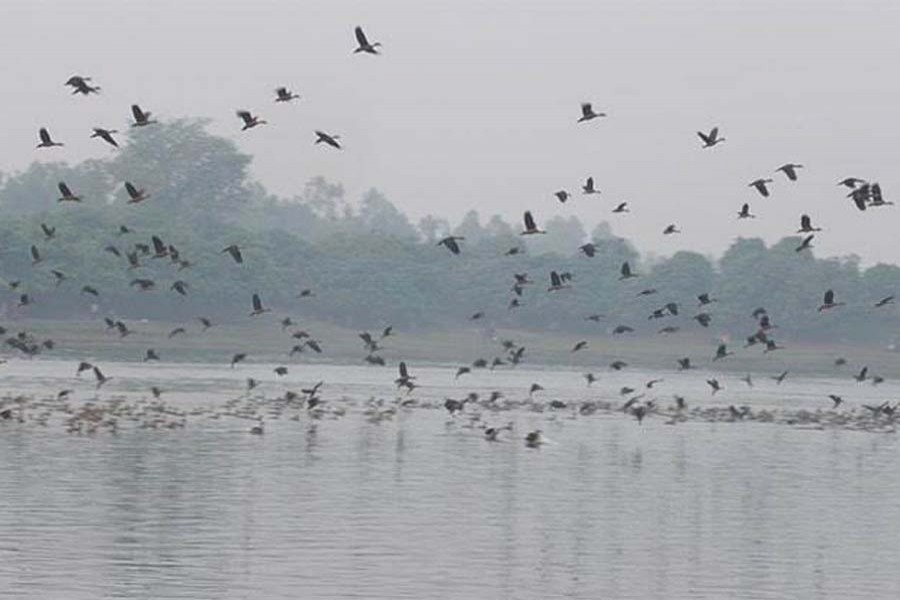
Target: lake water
<point x="390" y="502"/>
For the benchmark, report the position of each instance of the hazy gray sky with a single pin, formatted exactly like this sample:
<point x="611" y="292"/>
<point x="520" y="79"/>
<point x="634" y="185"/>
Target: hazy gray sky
<point x="473" y="104"/>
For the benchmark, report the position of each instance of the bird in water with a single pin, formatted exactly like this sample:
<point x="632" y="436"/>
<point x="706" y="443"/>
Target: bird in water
<point x="588" y="114"/>
<point x="363" y="44"/>
<point x="712" y="138"/>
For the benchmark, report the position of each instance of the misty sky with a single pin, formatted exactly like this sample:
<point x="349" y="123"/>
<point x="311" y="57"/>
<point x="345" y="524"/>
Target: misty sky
<point x="473" y="104"/>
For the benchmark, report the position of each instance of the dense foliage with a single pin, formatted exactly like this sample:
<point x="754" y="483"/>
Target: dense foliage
<point x="366" y="263"/>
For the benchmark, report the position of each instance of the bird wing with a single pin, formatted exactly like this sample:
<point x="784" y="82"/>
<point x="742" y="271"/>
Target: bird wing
<point x="64" y="189"/>
<point x="829" y="297"/>
<point x="257" y="303"/>
<point x="626" y="269"/>
<point x="360" y="36"/>
<point x="586" y="109"/>
<point x="529" y="221"/>
<point x="132" y="191"/>
<point x="158" y="245"/>
<point x="35" y="254"/>
<point x="805" y="222"/>
<point x="138" y="113"/>
<point x="707" y="139"/>
<point x="554" y="279"/>
<point x="245" y="116"/>
<point x="44" y="135"/>
<point x="403" y="372"/>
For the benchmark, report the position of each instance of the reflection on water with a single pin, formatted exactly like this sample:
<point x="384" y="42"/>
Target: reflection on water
<point x="416" y="507"/>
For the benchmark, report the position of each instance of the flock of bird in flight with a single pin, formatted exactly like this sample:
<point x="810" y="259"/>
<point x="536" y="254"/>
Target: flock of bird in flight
<point x="864" y="195"/>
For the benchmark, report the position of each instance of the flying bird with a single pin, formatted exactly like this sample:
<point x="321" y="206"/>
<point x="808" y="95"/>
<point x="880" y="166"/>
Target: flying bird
<point x="621" y="208"/>
<point x="258" y="306"/>
<point x="828" y="302"/>
<point x="331" y="140"/>
<point x="134" y="194"/>
<point x="712" y="138"/>
<point x="562" y="196"/>
<point x="556" y="282"/>
<point x="587" y="113"/>
<point x="80" y="85"/>
<point x="250" y="120"/>
<point x="588" y="187"/>
<point x="885" y="301"/>
<point x="282" y="94"/>
<point x="106" y="135"/>
<point x="588" y="249"/>
<point x="141" y="118"/>
<point x="670" y="229"/>
<point x="46" y="140"/>
<point x="760" y="185"/>
<point x="450" y="242"/>
<point x="530" y="226"/>
<point x="806" y="244"/>
<point x="790" y="170"/>
<point x="806" y="225"/>
<point x="235" y="253"/>
<point x="66" y="194"/>
<point x="625" y="272"/>
<point x="745" y="212"/>
<point x="363" y="43"/>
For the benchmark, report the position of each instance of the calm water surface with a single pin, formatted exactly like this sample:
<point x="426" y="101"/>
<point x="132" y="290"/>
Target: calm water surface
<point x="421" y="506"/>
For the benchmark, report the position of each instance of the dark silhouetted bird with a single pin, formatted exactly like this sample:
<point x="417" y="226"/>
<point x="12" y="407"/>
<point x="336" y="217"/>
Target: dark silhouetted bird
<point x="806" y="243"/>
<point x="106" y="135"/>
<point x="363" y="44"/>
<point x="235" y="253"/>
<point x="450" y="242"/>
<point x="760" y="185"/>
<point x="239" y="357"/>
<point x="712" y="138"/>
<point x="325" y="138"/>
<point x="250" y="120"/>
<point x="625" y="272"/>
<point x="722" y="352"/>
<point x="621" y="208"/>
<point x="46" y="140"/>
<point x="530" y="226"/>
<point x="258" y="306"/>
<point x="587" y="113"/>
<point x="282" y="94"/>
<point x="141" y="118"/>
<point x="806" y="225"/>
<point x="790" y="170"/>
<point x="66" y="194"/>
<point x="588" y="187"/>
<point x="134" y="194"/>
<point x="562" y="196"/>
<point x="745" y="212"/>
<point x="588" y="249"/>
<point x="80" y="85"/>
<point x="828" y="302"/>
